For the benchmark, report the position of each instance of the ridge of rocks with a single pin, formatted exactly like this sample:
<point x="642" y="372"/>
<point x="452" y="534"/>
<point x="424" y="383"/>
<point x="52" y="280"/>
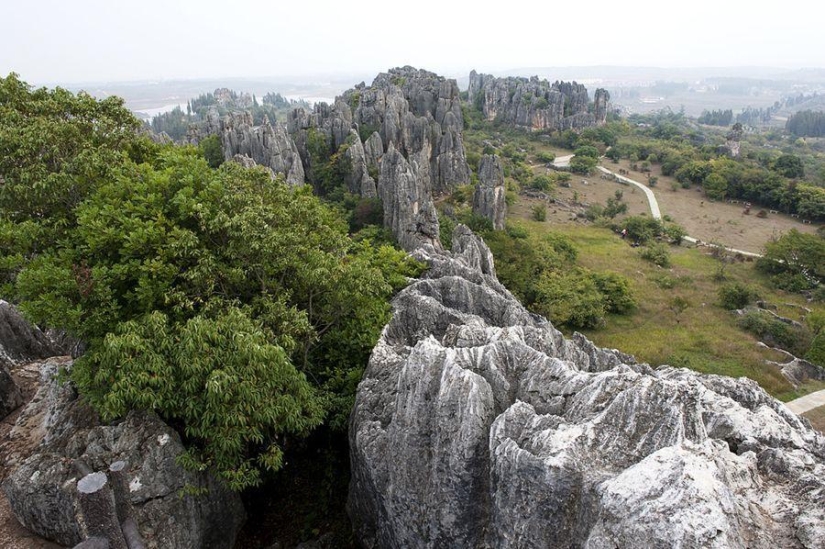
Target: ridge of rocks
<point x="536" y="104"/>
<point x="478" y="424"/>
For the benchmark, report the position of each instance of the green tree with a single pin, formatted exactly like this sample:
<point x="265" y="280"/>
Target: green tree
<point x="212" y="150"/>
<point x="789" y="165"/>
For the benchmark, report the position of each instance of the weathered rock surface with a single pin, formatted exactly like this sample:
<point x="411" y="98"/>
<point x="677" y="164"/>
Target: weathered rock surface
<point x="488" y="199"/>
<point x="266" y="144"/>
<point x="536" y="104"/>
<point x="477" y="424"/>
<point x="416" y="112"/>
<point x="360" y="181"/>
<point x="19" y="342"/>
<point x="408" y="207"/>
<point x="601" y="101"/>
<point x="56" y="431"/>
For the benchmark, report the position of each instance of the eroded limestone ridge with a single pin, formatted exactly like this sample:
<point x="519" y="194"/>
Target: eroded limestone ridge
<point x="536" y="104"/>
<point x="268" y="145"/>
<point x="477" y="424"/>
<point x="405" y="114"/>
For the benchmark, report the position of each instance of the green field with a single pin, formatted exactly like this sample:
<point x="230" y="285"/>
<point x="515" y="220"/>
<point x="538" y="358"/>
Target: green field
<point x="702" y="336"/>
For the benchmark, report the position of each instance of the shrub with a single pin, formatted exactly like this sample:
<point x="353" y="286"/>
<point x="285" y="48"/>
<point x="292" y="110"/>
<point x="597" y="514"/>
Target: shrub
<point x="642" y="229"/>
<point x="736" y="295"/>
<point x="546" y="157"/>
<point x="772" y="331"/>
<point x="816" y="354"/>
<point x="539" y="212"/>
<point x="583" y="165"/>
<point x="541" y="183"/>
<point x="657" y="254"/>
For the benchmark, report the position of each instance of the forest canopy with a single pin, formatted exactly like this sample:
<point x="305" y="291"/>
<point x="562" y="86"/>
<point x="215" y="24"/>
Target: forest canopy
<point x="236" y="307"/>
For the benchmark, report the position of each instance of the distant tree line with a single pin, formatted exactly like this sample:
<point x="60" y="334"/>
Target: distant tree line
<point x="716" y="117"/>
<point x="807" y="124"/>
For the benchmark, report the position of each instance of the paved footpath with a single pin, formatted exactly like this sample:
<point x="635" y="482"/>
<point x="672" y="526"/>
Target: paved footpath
<point x="807" y="403"/>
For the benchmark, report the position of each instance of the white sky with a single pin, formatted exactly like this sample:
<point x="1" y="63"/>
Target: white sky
<point x="67" y="41"/>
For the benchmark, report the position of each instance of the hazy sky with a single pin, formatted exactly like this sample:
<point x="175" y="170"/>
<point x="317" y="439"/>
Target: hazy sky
<point x="67" y="41"/>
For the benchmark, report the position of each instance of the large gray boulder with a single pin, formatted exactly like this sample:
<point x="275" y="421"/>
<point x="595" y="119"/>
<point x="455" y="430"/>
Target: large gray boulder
<point x="489" y="197"/>
<point x="535" y="104"/>
<point x="57" y="435"/>
<point x="477" y="424"/>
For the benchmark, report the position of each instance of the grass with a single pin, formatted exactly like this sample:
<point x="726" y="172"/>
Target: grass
<point x="702" y="336"/>
<point x="817" y="418"/>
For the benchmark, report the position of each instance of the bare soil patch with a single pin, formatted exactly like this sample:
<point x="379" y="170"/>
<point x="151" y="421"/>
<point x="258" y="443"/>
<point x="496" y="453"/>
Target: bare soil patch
<point x="719" y="222"/>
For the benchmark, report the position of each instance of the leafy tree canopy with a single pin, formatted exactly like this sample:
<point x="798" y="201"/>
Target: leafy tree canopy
<point x="235" y="307"/>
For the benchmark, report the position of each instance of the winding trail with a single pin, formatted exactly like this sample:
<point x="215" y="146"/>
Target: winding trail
<point x="651" y="198"/>
<point x="656" y="213"/>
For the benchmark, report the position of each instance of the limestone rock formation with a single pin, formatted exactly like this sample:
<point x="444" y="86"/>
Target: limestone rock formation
<point x="57" y="432"/>
<point x="408" y="207"/>
<point x="414" y="113"/>
<point x="19" y="342"/>
<point x="360" y="180"/>
<point x="536" y="104"/>
<point x="601" y="100"/>
<point x="488" y="199"/>
<point x="267" y="145"/>
<point x="477" y="424"/>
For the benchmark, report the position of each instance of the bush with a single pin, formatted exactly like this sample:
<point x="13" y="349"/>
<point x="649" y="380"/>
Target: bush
<point x="736" y="295"/>
<point x="772" y="331"/>
<point x="541" y="183"/>
<point x="618" y="298"/>
<point x="642" y="229"/>
<point x="539" y="212"/>
<point x="546" y="157"/>
<point x="816" y="354"/>
<point x="212" y="297"/>
<point x="212" y="150"/>
<point x="657" y="254"/>
<point x="583" y="165"/>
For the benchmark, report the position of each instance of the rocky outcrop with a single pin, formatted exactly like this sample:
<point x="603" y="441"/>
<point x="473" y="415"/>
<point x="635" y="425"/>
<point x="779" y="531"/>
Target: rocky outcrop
<point x="535" y="104"/>
<point x="267" y="145"/>
<point x="19" y="342"/>
<point x="360" y="181"/>
<point x="601" y="101"/>
<point x="477" y="424"/>
<point x="414" y="113"/>
<point x="488" y="199"/>
<point x="10" y="396"/>
<point x="408" y="207"/>
<point x="57" y="436"/>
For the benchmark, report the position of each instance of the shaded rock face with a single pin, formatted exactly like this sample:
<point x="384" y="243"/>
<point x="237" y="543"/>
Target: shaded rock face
<point x="360" y="180"/>
<point x="535" y="104"/>
<point x="267" y="145"/>
<point x="488" y="199"/>
<point x="19" y="342"/>
<point x="477" y="424"/>
<point x="56" y="430"/>
<point x="408" y="207"/>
